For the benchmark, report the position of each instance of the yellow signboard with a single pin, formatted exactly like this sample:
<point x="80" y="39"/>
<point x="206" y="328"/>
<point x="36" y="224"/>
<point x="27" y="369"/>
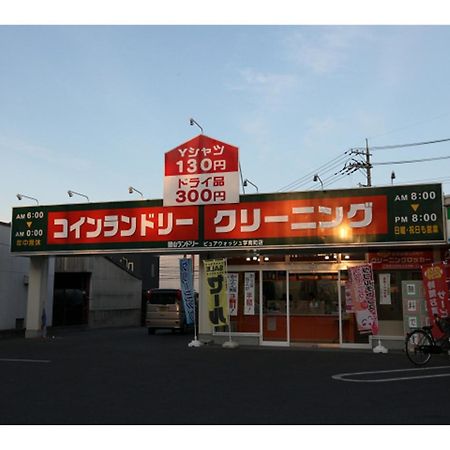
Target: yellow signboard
<point x="216" y="283"/>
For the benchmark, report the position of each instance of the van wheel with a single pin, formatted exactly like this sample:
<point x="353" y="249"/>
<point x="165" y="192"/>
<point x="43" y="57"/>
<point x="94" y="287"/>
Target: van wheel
<point x="151" y="330"/>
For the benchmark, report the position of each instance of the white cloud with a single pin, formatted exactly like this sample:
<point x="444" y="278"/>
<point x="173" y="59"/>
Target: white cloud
<point x="324" y="49"/>
<point x="270" y="87"/>
<point x="274" y="83"/>
<point x="318" y="129"/>
<point x="11" y="147"/>
<point x="257" y="128"/>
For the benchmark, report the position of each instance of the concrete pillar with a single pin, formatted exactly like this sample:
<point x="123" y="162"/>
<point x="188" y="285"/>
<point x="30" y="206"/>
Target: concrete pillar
<point x="38" y="292"/>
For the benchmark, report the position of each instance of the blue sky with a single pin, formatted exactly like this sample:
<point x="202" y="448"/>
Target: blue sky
<point x="94" y="108"/>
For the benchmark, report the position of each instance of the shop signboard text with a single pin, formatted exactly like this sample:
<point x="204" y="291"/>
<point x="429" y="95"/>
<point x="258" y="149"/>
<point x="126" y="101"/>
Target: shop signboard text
<point x="201" y="171"/>
<point x="366" y="217"/>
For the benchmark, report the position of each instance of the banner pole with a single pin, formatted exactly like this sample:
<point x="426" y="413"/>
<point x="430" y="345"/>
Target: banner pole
<point x="229" y="313"/>
<point x="195" y="342"/>
<point x="195" y="298"/>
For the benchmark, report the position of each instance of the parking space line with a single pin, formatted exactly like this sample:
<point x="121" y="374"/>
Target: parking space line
<point x="347" y="376"/>
<point x="25" y="360"/>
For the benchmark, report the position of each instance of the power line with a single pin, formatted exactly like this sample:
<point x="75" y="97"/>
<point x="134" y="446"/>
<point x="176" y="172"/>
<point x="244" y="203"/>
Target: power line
<point x="410" y="125"/>
<point x="330" y="165"/>
<point x="410" y="161"/>
<point x="443" y="180"/>
<point x="352" y="165"/>
<point x="414" y="144"/>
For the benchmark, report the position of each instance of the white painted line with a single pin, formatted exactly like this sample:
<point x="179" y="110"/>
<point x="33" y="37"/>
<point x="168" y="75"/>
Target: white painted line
<point x="344" y="376"/>
<point x="25" y="360"/>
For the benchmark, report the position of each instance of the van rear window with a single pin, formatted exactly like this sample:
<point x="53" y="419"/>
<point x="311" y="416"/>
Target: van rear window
<point x="160" y="298"/>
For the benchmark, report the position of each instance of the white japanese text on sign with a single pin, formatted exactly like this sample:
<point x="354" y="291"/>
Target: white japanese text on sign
<point x="201" y="171"/>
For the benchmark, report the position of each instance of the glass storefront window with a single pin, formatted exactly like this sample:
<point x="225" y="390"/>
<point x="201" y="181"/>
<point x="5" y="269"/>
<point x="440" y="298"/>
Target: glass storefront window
<point x="313" y="294"/>
<point x="274" y="291"/>
<point x="313" y="307"/>
<point x="296" y="306"/>
<point x="244" y="317"/>
<point x="393" y="309"/>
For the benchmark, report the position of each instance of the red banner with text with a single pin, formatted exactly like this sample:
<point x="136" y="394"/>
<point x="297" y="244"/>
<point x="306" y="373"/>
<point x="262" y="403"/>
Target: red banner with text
<point x="363" y="298"/>
<point x="436" y="293"/>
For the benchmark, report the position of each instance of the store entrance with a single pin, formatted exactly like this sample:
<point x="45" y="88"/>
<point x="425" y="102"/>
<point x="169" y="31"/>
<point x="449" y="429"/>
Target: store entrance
<point x="314" y="307"/>
<point x="274" y="308"/>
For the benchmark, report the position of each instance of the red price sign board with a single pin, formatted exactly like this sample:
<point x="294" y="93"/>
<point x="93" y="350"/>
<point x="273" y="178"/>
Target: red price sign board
<point x="201" y="171"/>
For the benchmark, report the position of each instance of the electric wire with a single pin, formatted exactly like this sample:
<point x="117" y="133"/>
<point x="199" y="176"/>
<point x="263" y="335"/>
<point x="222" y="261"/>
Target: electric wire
<point x="413" y="144"/>
<point x="443" y="180"/>
<point x="324" y="177"/>
<point x="414" y="124"/>
<point x="325" y="168"/>
<point x="306" y="178"/>
<point x="355" y="165"/>
<point x="410" y="161"/>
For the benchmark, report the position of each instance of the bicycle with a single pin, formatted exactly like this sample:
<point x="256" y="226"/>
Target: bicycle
<point x="420" y="344"/>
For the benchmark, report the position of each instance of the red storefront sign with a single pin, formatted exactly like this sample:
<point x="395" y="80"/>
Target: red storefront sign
<point x="343" y="217"/>
<point x="436" y="292"/>
<point x="400" y="259"/>
<point x="200" y="172"/>
<point x="122" y="225"/>
<point x="360" y="217"/>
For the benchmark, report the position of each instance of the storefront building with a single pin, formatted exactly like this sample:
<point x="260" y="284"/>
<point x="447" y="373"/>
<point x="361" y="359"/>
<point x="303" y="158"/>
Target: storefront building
<point x="291" y="263"/>
<point x="299" y="290"/>
<point x="288" y="255"/>
<point x="300" y="299"/>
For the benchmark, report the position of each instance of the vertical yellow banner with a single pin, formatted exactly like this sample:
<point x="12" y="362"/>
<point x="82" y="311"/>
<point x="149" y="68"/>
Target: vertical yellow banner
<point x="216" y="284"/>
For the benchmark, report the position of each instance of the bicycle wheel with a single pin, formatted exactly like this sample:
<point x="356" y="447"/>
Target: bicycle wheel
<point x="417" y="347"/>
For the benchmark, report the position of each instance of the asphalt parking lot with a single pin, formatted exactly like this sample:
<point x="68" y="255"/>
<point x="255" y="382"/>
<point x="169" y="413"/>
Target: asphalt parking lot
<point x="124" y="376"/>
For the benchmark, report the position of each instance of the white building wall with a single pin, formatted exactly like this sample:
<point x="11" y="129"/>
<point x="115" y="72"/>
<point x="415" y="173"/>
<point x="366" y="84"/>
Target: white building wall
<point x="13" y="283"/>
<point x="115" y="296"/>
<point x="169" y="271"/>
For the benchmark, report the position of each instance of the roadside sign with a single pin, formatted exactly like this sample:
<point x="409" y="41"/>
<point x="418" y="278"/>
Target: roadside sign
<point x="201" y="171"/>
<point x="364" y="217"/>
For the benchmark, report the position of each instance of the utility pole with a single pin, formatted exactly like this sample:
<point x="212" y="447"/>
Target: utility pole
<point x="359" y="164"/>
<point x="368" y="165"/>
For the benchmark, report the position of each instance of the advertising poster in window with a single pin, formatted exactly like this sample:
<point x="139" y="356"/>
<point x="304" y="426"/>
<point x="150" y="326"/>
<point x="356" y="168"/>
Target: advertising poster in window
<point x="232" y="293"/>
<point x="385" y="288"/>
<point x="249" y="294"/>
<point x="363" y="295"/>
<point x="348" y="297"/>
<point x="436" y="293"/>
<point x="216" y="284"/>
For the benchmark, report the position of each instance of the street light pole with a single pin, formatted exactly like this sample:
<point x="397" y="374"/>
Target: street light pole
<point x="247" y="181"/>
<point x="193" y="122"/>
<point x="71" y="193"/>
<point x="131" y="189"/>
<point x="21" y="196"/>
<point x="317" y="178"/>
